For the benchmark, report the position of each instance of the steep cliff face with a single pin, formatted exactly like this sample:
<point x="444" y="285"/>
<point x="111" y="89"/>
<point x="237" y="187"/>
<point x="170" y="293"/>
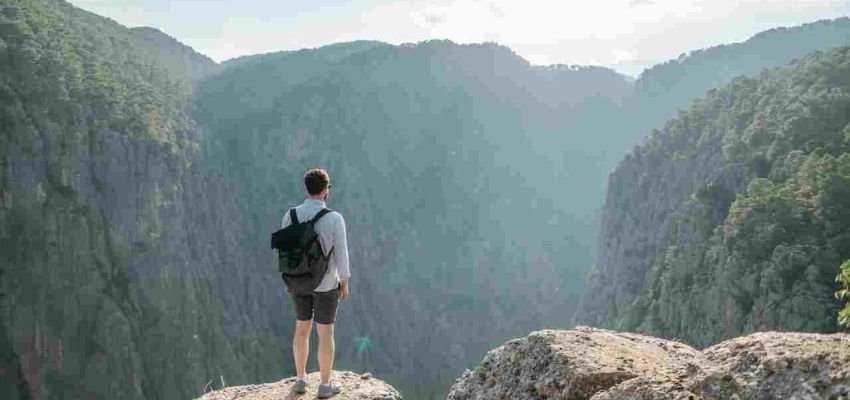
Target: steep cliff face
<point x="734" y="217"/>
<point x="598" y="364"/>
<point x="646" y="193"/>
<point x="123" y="269"/>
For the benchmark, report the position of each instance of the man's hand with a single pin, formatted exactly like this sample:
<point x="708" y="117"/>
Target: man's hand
<point x="343" y="289"/>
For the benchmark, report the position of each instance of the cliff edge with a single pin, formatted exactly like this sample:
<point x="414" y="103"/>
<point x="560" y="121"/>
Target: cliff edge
<point x="354" y="387"/>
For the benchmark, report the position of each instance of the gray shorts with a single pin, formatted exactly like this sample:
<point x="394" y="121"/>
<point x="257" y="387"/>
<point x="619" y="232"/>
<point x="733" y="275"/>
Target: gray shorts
<point x="320" y="306"/>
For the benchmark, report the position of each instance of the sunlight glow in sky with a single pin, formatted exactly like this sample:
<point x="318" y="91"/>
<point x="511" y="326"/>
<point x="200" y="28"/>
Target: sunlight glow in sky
<point x="626" y="35"/>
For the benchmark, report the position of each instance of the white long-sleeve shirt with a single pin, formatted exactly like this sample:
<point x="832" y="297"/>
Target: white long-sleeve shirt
<point x="331" y="231"/>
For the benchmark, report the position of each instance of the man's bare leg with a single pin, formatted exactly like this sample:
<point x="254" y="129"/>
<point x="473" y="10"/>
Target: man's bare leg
<point x="301" y="346"/>
<point x="326" y="350"/>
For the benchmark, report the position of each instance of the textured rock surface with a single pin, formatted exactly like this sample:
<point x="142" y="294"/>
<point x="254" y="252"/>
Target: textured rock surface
<point x="589" y="363"/>
<point x="773" y="365"/>
<point x="354" y="387"/>
<point x="572" y="364"/>
<point x="643" y="388"/>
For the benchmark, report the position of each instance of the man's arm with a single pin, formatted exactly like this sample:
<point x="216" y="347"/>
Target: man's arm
<point x="284" y="222"/>
<point x="340" y="256"/>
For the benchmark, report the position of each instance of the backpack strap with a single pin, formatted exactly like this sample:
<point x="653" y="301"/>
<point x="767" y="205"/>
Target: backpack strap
<point x="320" y="214"/>
<point x="293" y="217"/>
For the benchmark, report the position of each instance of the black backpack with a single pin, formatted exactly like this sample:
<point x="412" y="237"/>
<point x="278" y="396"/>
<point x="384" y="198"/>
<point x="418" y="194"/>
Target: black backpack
<point x="301" y="260"/>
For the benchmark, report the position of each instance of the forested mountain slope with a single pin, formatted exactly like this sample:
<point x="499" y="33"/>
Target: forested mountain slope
<point x="734" y="217"/>
<point x="179" y="59"/>
<point x="121" y="270"/>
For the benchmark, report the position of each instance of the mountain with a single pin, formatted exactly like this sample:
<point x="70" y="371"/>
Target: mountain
<point x="179" y="59"/>
<point x="665" y="88"/>
<point x="156" y="251"/>
<point x="471" y="179"/>
<point x="140" y="181"/>
<point x="326" y="53"/>
<point x="452" y="165"/>
<point x="122" y="268"/>
<point x="734" y="217"/>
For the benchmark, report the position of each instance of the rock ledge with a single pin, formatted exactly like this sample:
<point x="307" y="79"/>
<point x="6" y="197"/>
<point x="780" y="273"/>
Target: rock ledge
<point x="354" y="387"/>
<point x="598" y="364"/>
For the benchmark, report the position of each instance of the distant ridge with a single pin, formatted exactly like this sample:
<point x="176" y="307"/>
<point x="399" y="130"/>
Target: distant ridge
<point x="176" y="56"/>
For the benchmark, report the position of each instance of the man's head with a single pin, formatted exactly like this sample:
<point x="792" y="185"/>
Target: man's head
<point x="317" y="182"/>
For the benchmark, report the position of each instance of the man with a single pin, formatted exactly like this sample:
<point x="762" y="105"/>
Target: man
<point x="322" y="303"/>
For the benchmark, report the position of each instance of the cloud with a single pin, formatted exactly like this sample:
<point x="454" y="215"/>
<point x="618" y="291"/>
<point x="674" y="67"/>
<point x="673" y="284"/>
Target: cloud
<point x="428" y="17"/>
<point x="622" y="55"/>
<point x="496" y="10"/>
<point x="635" y="3"/>
<point x="434" y="19"/>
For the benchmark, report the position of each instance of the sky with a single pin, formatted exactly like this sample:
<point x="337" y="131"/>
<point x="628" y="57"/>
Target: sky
<point x="626" y="35"/>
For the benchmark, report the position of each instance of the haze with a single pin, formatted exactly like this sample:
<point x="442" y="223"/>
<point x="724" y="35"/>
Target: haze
<point x="626" y="35"/>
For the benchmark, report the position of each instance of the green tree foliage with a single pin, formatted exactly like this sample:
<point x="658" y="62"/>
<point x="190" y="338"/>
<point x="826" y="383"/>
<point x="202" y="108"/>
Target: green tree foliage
<point x="470" y="181"/>
<point x="78" y="320"/>
<point x="77" y="65"/>
<point x="843" y="293"/>
<point x="771" y="263"/>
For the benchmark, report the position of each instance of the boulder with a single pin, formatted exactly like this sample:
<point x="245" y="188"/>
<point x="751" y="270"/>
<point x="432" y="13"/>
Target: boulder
<point x="573" y="364"/>
<point x="774" y="365"/>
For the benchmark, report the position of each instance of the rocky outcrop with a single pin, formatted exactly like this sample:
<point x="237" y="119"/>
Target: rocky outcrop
<point x="354" y="387"/>
<point x="572" y="364"/>
<point x="598" y="364"/>
<point x="774" y="365"/>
